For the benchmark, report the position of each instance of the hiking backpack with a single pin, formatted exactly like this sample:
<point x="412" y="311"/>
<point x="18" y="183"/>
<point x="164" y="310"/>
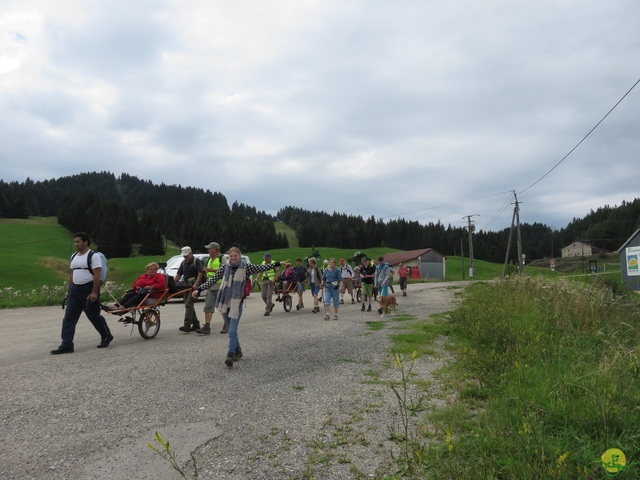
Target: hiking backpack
<point x="105" y="267"/>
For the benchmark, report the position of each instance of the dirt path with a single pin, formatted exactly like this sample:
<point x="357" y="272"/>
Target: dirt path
<point x="306" y="399"/>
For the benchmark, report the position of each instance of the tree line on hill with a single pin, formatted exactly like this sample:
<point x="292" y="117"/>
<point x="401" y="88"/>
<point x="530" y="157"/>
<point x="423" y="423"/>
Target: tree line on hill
<point x="607" y="228"/>
<point x="120" y="212"/>
<point x="126" y="211"/>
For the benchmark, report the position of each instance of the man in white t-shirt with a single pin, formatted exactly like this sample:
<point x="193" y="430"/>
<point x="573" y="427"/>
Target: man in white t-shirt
<point x="347" y="280"/>
<point x="83" y="295"/>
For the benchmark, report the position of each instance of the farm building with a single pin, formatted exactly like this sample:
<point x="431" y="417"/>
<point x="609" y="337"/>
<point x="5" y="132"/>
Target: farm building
<point x="580" y="249"/>
<point x="629" y="254"/>
<point x="423" y="263"/>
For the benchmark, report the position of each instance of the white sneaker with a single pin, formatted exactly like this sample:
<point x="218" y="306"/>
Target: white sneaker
<point x="327" y="317"/>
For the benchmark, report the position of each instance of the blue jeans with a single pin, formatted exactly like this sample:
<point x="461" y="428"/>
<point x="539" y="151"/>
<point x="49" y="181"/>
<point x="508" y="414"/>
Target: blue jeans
<point x="331" y="293"/>
<point x="76" y="304"/>
<point x="232" y="325"/>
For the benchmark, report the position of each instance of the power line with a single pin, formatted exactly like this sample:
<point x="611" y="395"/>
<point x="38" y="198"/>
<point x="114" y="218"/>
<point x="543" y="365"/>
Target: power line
<point x="497" y="215"/>
<point x="583" y="139"/>
<point x="445" y="205"/>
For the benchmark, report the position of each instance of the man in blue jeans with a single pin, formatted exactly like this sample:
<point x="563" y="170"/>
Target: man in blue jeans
<point x="83" y="295"/>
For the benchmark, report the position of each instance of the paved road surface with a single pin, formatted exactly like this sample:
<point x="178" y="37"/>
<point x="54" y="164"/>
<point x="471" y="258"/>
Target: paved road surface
<point x="89" y="414"/>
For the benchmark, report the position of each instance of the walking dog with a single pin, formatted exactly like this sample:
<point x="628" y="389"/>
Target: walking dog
<point x="387" y="302"/>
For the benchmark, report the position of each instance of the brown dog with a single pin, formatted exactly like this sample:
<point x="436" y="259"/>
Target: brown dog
<point x="386" y="302"/>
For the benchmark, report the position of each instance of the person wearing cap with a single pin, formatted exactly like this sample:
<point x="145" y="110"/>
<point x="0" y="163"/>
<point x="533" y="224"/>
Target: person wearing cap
<point x="234" y="273"/>
<point x="213" y="264"/>
<point x="191" y="271"/>
<point x="267" y="285"/>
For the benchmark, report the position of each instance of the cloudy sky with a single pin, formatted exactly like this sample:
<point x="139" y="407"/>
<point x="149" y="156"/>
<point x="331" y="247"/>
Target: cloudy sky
<point x="422" y="110"/>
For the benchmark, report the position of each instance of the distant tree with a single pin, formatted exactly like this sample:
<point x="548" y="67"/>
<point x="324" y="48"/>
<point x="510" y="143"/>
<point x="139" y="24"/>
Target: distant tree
<point x="151" y="241"/>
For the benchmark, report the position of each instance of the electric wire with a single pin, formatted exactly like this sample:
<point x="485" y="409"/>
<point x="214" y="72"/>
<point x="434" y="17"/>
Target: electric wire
<point x="583" y="139"/>
<point x="445" y="205"/>
<point x="497" y="215"/>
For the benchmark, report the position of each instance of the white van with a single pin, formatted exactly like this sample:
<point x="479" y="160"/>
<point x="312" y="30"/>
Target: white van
<point x="174" y="262"/>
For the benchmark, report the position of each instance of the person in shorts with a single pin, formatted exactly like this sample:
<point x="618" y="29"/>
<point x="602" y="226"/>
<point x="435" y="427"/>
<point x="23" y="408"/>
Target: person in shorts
<point x="367" y="273"/>
<point x="347" y="280"/>
<point x="213" y="265"/>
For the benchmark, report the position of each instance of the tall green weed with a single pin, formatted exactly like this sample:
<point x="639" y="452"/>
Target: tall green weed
<point x="555" y="369"/>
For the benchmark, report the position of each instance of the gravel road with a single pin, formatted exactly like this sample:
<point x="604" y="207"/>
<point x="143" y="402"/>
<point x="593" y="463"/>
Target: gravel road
<point x="308" y="400"/>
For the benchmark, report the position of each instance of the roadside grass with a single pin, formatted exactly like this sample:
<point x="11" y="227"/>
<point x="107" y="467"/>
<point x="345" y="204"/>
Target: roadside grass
<point x="546" y="376"/>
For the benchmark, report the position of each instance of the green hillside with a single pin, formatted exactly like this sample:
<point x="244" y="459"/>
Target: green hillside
<point x="35" y="253"/>
<point x="282" y="227"/>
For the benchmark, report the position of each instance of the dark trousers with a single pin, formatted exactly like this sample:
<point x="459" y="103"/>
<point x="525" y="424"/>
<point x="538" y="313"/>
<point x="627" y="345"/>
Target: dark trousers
<point x="190" y="316"/>
<point x="76" y="304"/>
<point x="131" y="299"/>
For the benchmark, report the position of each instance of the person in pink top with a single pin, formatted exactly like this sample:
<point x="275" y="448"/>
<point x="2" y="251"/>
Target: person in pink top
<point x="403" y="274"/>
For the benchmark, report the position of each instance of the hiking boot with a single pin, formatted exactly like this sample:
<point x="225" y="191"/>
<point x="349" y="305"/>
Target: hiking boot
<point x="362" y="309"/>
<point x="327" y="317"/>
<point x="224" y="329"/>
<point x="229" y="360"/>
<point x="316" y="309"/>
<point x="205" y="329"/>
<point x="195" y="327"/>
<point x="369" y="308"/>
<point x="185" y="328"/>
<point x="238" y="354"/>
<point x="335" y="316"/>
<point x="106" y="341"/>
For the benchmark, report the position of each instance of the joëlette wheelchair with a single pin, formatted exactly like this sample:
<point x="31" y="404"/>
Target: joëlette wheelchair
<point x="146" y="314"/>
<point x="284" y="294"/>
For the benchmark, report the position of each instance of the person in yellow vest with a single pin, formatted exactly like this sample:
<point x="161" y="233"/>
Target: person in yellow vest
<point x="267" y="285"/>
<point x="213" y="264"/>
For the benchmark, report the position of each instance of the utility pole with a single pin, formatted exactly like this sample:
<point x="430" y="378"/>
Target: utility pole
<point x="515" y="221"/>
<point x="462" y="255"/>
<point x="520" y="259"/>
<point x="472" y="273"/>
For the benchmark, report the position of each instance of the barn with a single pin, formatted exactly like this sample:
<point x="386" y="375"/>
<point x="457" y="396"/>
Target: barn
<point x="423" y="263"/>
<point x="629" y="254"/>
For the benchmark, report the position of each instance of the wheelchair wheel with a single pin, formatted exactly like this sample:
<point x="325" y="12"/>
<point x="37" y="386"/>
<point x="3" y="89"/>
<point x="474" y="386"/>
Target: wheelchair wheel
<point x="287" y="303"/>
<point x="149" y="324"/>
<point x="359" y="295"/>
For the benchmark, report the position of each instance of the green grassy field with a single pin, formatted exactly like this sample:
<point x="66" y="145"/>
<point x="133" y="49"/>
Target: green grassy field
<point x="35" y="255"/>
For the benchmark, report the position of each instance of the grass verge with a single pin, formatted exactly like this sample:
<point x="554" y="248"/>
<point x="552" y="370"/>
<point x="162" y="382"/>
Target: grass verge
<point x="547" y="380"/>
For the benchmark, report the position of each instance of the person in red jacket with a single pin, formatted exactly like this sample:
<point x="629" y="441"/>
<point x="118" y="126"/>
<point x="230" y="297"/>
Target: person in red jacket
<point x="149" y="280"/>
